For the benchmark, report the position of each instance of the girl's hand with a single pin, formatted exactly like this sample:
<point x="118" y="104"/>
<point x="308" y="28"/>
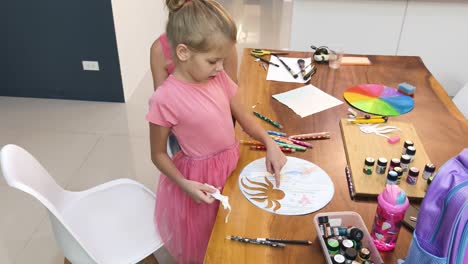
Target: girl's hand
<point x="275" y="160"/>
<point x="198" y="192"/>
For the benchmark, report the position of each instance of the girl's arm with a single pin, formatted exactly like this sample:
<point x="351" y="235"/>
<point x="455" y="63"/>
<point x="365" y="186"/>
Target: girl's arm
<point x="158" y="66"/>
<point x="275" y="159"/>
<point x="158" y="140"/>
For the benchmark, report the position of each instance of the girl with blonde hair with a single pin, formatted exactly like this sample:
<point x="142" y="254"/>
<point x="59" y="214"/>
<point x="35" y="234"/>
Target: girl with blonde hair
<point x="195" y="103"/>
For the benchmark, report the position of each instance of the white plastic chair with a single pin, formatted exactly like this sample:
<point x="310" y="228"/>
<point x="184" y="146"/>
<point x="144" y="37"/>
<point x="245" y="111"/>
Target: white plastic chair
<point x="461" y="100"/>
<point x="110" y="223"/>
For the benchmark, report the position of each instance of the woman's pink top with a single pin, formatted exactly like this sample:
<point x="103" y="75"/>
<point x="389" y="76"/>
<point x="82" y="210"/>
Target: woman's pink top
<point x="166" y="49"/>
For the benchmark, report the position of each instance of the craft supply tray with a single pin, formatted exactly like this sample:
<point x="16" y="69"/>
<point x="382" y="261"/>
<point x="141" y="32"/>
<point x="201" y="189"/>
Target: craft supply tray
<point x="348" y="219"/>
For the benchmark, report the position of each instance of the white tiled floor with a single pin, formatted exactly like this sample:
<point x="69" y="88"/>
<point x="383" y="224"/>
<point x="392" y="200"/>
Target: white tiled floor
<point x="83" y="144"/>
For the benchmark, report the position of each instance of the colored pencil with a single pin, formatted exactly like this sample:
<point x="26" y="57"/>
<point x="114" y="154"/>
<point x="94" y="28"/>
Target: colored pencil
<point x="282" y="140"/>
<point x="367" y="121"/>
<point x="301" y="143"/>
<point x="296" y="147"/>
<point x="276" y="133"/>
<point x="318" y="135"/>
<point x="285" y="150"/>
<point x="268" y="120"/>
<point x="251" y="142"/>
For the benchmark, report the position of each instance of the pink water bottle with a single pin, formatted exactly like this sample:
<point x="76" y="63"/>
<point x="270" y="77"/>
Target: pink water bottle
<point x="391" y="208"/>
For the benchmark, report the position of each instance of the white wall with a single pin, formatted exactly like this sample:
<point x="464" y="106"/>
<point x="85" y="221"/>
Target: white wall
<point x="437" y="31"/>
<point x="137" y="25"/>
<point x="4" y="258"/>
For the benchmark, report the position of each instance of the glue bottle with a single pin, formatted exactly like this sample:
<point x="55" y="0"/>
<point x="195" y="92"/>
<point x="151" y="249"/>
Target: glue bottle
<point x="391" y="208"/>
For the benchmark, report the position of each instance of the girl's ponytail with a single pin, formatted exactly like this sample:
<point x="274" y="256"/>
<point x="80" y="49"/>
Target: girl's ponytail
<point x="196" y="23"/>
<point x="174" y="5"/>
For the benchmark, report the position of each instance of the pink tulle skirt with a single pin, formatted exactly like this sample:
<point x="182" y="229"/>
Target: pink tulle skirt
<point x="185" y="226"/>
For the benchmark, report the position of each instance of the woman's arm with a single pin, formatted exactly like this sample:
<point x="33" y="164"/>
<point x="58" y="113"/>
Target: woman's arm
<point x="230" y="64"/>
<point x="158" y="140"/>
<point x="275" y="159"/>
<point x="158" y="66"/>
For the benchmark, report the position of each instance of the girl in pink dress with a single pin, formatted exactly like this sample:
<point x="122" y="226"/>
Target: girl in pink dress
<point x="195" y="103"/>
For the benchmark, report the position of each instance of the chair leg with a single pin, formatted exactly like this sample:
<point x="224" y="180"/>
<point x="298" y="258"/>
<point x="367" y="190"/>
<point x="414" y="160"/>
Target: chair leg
<point x="149" y="260"/>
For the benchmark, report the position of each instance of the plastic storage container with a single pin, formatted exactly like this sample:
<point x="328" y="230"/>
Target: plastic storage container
<point x="348" y="219"/>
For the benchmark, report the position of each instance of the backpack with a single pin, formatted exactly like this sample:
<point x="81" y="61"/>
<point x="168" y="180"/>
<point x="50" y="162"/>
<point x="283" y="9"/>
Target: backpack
<point x="441" y="233"/>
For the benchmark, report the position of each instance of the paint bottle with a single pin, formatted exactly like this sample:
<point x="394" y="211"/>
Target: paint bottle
<point x="338" y="259"/>
<point x="323" y="222"/>
<point x="345" y="244"/>
<point x="399" y="171"/>
<point x="429" y="170"/>
<point x="350" y="255"/>
<point x="339" y="231"/>
<point x="412" y="177"/>
<point x="395" y="162"/>
<point x="406" y="145"/>
<point x="404" y="162"/>
<point x="355" y="234"/>
<point x="368" y="165"/>
<point x="392" y="204"/>
<point x="363" y="255"/>
<point x="392" y="177"/>
<point x="333" y="246"/>
<point x="381" y="166"/>
<point x="411" y="151"/>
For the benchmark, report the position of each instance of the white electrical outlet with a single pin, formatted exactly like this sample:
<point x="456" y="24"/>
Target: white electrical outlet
<point x="90" y="65"/>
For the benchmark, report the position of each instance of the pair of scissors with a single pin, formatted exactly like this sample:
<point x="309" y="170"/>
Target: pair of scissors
<point x="260" y="52"/>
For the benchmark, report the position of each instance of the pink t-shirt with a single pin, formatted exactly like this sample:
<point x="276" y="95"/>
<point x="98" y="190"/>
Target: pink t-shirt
<point x="198" y="114"/>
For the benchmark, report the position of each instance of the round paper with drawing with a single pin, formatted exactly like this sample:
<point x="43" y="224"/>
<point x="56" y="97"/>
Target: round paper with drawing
<point x="305" y="187"/>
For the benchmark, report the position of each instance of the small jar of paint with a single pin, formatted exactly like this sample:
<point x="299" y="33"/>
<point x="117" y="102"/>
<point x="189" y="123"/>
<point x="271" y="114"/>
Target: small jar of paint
<point x="411" y="151"/>
<point x="338" y="259"/>
<point x="381" y="166"/>
<point x="350" y="254"/>
<point x="363" y="255"/>
<point x="406" y="145"/>
<point x="333" y="246"/>
<point x="399" y="171"/>
<point x="392" y="177"/>
<point x="368" y="165"/>
<point x="429" y="170"/>
<point x="412" y="177"/>
<point x="345" y="244"/>
<point x="355" y="234"/>
<point x="404" y="162"/>
<point x="395" y="162"/>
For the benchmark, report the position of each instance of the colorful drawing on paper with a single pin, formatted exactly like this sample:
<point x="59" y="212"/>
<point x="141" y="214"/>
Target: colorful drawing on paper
<point x="305" y="187"/>
<point x="378" y="99"/>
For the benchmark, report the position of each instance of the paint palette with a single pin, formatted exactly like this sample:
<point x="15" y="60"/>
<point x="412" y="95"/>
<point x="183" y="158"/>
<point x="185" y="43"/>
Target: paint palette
<point x="378" y="99"/>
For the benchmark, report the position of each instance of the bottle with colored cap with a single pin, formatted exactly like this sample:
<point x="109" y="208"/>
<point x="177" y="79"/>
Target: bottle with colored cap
<point x="391" y="207"/>
<point x="429" y="170"/>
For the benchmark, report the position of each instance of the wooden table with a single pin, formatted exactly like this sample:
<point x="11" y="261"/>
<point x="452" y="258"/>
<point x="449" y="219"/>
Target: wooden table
<point x="439" y="124"/>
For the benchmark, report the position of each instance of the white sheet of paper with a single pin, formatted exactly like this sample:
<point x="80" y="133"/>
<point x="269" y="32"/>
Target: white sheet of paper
<point x="307" y="100"/>
<point x="281" y="74"/>
<point x="305" y="187"/>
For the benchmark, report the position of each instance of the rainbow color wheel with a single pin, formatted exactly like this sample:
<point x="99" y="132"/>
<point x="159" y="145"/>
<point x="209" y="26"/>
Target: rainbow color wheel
<point x="378" y="99"/>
